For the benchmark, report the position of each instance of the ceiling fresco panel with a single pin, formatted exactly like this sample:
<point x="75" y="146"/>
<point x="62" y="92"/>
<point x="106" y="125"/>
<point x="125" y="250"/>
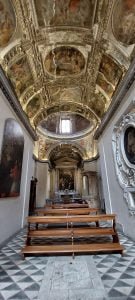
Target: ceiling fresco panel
<point x="33" y="107"/>
<point x="105" y="85"/>
<point x="123" y="21"/>
<point x="99" y="104"/>
<point x="64" y="12"/>
<point x="20" y="75"/>
<point x="63" y="61"/>
<point x="65" y="94"/>
<point x="108" y="64"/>
<point x="7" y="22"/>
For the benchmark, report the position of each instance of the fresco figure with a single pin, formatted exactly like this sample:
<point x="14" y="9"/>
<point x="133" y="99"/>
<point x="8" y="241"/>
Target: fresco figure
<point x="20" y="75"/>
<point x="64" y="12"/>
<point x="64" y="61"/>
<point x="124" y="30"/>
<point x="33" y="107"/>
<point x="7" y="22"/>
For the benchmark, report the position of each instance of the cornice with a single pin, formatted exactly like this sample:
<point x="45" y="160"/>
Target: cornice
<point x="117" y="99"/>
<point x="11" y="97"/>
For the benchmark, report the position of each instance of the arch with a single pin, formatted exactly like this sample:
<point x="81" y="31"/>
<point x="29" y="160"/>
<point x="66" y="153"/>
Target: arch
<point x="81" y="151"/>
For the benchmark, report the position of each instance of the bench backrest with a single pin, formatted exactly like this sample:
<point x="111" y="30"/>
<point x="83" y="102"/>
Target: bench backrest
<point x="70" y="219"/>
<point x="65" y="211"/>
<point x="70" y="205"/>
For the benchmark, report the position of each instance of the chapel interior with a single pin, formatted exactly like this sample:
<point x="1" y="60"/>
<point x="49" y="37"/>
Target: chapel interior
<point x="67" y="115"/>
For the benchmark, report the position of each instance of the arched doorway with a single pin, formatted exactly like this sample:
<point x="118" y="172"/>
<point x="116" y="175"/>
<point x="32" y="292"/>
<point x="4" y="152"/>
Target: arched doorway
<point x="66" y="161"/>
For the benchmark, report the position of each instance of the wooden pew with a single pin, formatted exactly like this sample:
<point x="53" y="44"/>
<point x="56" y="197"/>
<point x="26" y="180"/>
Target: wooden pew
<point x="69" y="219"/>
<point x="73" y="248"/>
<point x="70" y="232"/>
<point x="70" y="205"/>
<point x="65" y="211"/>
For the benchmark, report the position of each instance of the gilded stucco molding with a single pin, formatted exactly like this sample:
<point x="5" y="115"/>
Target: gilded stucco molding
<point x="12" y="55"/>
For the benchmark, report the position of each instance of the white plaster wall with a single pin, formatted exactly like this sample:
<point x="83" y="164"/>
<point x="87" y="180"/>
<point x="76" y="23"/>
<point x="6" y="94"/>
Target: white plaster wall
<point x="43" y="185"/>
<point x="14" y="210"/>
<point x="113" y="193"/>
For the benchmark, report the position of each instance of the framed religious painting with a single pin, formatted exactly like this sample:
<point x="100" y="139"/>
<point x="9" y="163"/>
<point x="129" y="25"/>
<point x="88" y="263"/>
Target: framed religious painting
<point x="11" y="159"/>
<point x="129" y="144"/>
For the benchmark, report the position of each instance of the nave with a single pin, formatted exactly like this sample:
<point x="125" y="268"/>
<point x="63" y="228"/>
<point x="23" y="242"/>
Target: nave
<point x="106" y="277"/>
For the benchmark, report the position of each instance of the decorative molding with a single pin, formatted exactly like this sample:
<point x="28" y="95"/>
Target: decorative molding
<point x="13" y="101"/>
<point x="125" y="170"/>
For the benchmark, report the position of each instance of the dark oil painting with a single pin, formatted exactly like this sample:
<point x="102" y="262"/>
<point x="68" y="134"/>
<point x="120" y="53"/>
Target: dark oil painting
<point x="129" y="144"/>
<point x="66" y="179"/>
<point x="11" y="159"/>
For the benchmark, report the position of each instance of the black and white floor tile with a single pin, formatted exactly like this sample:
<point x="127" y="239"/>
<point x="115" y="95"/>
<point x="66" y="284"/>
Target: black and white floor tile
<point x="22" y="279"/>
<point x="118" y="273"/>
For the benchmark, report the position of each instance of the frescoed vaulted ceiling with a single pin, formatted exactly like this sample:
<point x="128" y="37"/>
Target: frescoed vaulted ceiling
<point x="66" y="56"/>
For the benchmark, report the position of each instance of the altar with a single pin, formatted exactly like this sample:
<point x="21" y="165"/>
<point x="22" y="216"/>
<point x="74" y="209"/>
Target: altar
<point x="62" y="194"/>
<point x="67" y="196"/>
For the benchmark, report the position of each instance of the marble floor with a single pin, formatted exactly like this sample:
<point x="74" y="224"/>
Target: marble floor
<point x="86" y="277"/>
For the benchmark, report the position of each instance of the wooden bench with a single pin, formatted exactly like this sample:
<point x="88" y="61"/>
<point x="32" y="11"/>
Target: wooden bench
<point x="65" y="211"/>
<point x="71" y="248"/>
<point x="71" y="232"/>
<point x="70" y="205"/>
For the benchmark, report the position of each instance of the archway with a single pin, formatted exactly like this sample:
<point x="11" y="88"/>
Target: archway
<point x="65" y="177"/>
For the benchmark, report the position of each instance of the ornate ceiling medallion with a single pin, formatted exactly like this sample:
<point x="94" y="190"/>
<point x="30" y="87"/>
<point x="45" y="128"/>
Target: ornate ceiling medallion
<point x="64" y="60"/>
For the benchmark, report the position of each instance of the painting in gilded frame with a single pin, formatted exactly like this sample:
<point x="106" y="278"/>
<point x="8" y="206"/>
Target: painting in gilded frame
<point x="129" y="144"/>
<point x="66" y="179"/>
<point x="11" y="159"/>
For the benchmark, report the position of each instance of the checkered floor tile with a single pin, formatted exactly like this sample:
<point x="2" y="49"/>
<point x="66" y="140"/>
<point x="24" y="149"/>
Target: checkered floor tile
<point x="21" y="279"/>
<point x="118" y="273"/>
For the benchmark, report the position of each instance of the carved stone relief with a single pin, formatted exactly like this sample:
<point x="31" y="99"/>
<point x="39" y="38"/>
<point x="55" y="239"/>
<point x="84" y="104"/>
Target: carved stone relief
<point x="124" y="157"/>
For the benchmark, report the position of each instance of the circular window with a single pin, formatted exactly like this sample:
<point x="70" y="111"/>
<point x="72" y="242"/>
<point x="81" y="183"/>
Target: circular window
<point x="129" y="144"/>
